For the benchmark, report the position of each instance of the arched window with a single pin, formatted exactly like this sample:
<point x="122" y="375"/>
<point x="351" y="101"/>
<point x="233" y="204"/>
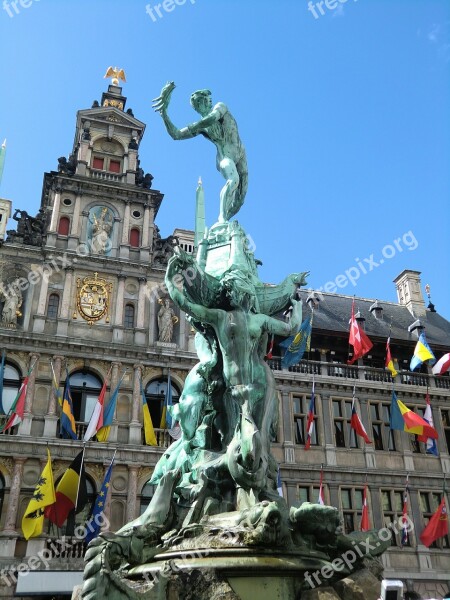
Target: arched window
<point x="53" y="306"/>
<point x="11" y="384"/>
<point x="64" y="226"/>
<point x="135" y="238"/>
<point x="128" y="320"/>
<point x="146" y="495"/>
<point x="155" y="394"/>
<point x="85" y="388"/>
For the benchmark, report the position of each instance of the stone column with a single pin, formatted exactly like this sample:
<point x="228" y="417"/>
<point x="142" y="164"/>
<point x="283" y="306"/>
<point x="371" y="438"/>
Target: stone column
<point x="12" y="506"/>
<point x="152" y="333"/>
<point x="288" y="442"/>
<point x="139" y="334"/>
<point x="75" y="226"/>
<point x="65" y="303"/>
<point x="118" y="310"/>
<point x="132" y="493"/>
<point x="135" y="425"/>
<point x="330" y="448"/>
<point x="115" y="373"/>
<point x="144" y="253"/>
<point x="51" y="418"/>
<point x="39" y="317"/>
<point x="25" y="426"/>
<point x="55" y="211"/>
<point x="125" y="244"/>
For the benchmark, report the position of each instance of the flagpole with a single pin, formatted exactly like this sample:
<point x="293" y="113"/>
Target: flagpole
<point x="79" y="478"/>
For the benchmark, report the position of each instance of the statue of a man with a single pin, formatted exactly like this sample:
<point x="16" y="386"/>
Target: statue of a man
<point x="219" y="126"/>
<point x="12" y="298"/>
<point x="166" y="320"/>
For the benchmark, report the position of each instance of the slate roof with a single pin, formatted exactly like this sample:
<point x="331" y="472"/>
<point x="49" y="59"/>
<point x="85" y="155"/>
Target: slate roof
<point x="334" y="314"/>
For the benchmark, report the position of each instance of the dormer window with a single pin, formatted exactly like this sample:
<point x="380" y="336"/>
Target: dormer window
<point x="106" y="164"/>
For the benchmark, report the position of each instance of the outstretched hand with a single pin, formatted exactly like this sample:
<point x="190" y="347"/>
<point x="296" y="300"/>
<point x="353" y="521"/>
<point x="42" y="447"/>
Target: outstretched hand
<point x="161" y="103"/>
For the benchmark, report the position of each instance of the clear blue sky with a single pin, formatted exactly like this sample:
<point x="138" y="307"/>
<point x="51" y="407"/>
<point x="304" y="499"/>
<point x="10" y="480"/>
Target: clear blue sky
<point x="345" y="118"/>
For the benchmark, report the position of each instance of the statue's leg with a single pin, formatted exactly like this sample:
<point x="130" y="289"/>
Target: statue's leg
<point x="241" y="192"/>
<point x="227" y="194"/>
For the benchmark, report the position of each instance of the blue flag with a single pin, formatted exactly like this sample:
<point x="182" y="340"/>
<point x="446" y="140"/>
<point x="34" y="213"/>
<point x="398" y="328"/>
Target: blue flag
<point x="169" y="403"/>
<point x="296" y="345"/>
<point x="94" y="524"/>
<point x="422" y="353"/>
<point x="2" y="375"/>
<point x="68" y="427"/>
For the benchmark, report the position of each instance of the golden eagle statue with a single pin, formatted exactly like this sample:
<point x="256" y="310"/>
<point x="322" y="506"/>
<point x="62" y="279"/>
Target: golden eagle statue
<point x="116" y="74"/>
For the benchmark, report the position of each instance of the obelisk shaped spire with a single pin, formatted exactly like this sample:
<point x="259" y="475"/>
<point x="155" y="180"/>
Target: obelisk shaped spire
<point x="2" y="159"/>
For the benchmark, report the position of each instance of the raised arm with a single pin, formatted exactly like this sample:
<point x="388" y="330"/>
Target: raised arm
<point x="161" y="104"/>
<point x="286" y="329"/>
<point x="198" y="312"/>
<point x="217" y="113"/>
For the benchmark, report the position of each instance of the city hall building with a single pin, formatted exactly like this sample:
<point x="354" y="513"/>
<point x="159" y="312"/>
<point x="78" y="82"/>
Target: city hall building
<point x="82" y="297"/>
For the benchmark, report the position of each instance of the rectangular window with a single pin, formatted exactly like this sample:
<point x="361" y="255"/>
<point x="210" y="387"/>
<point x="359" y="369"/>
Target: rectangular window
<point x="392" y="507"/>
<point x="383" y="436"/>
<point x="114" y="166"/>
<point x="345" y="436"/>
<point x="309" y="493"/>
<point x="351" y="504"/>
<point x="429" y="502"/>
<point x="98" y="163"/>
<point x="446" y="423"/>
<point x="300" y="408"/>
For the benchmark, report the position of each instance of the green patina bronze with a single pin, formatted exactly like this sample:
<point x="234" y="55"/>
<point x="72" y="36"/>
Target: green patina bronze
<point x="217" y="485"/>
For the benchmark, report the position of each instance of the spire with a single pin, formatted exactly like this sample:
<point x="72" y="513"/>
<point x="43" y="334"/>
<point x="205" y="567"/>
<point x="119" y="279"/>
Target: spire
<point x="199" y="213"/>
<point x="2" y="159"/>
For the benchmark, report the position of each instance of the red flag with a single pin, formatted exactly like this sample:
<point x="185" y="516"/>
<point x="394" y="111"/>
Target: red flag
<point x="270" y="350"/>
<point x="96" y="421"/>
<point x="310" y="421"/>
<point x="365" y="524"/>
<point x="358" y="339"/>
<point x="18" y="408"/>
<point x="321" y="499"/>
<point x="357" y="425"/>
<point x="437" y="526"/>
<point x="389" y="364"/>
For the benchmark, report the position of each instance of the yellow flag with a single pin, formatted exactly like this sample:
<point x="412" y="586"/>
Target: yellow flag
<point x="149" y="432"/>
<point x="44" y="495"/>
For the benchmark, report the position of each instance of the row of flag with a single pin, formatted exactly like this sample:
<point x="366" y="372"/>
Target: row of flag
<point x="401" y="418"/>
<point x="295" y="346"/>
<point x="99" y="425"/>
<point x="436" y="527"/>
<point x="69" y="496"/>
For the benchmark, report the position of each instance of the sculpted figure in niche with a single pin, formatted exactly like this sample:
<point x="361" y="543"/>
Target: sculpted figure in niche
<point x="12" y="298"/>
<point x="101" y="231"/>
<point x="166" y="320"/>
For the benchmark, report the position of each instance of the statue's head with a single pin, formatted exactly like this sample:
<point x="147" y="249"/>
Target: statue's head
<point x="201" y="101"/>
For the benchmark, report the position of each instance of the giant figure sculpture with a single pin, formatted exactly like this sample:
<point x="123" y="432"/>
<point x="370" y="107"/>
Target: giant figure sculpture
<point x="217" y="485"/>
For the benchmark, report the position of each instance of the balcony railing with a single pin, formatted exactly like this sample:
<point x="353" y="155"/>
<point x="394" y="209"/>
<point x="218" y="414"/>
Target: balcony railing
<point x="365" y="372"/>
<point x="163" y="438"/>
<point x="105" y="176"/>
<point x="12" y="430"/>
<point x="65" y="547"/>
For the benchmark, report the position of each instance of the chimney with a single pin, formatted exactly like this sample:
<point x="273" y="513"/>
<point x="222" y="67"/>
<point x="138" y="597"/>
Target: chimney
<point x="409" y="292"/>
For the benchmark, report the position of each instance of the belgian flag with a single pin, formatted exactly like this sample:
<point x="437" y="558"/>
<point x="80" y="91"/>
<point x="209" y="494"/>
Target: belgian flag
<point x="71" y="492"/>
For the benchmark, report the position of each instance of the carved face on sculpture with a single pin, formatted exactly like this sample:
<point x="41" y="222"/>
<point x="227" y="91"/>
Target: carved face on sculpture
<point x="201" y="101"/>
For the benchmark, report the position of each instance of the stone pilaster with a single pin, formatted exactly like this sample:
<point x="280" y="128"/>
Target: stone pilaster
<point x="25" y="426"/>
<point x="65" y="303"/>
<point x="39" y="318"/>
<point x="12" y="506"/>
<point x="55" y="212"/>
<point x="139" y="334"/>
<point x="125" y="244"/>
<point x="286" y="419"/>
<point x="144" y="253"/>
<point x="75" y="226"/>
<point x="135" y="425"/>
<point x="51" y="418"/>
<point x="132" y="493"/>
<point x="330" y="448"/>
